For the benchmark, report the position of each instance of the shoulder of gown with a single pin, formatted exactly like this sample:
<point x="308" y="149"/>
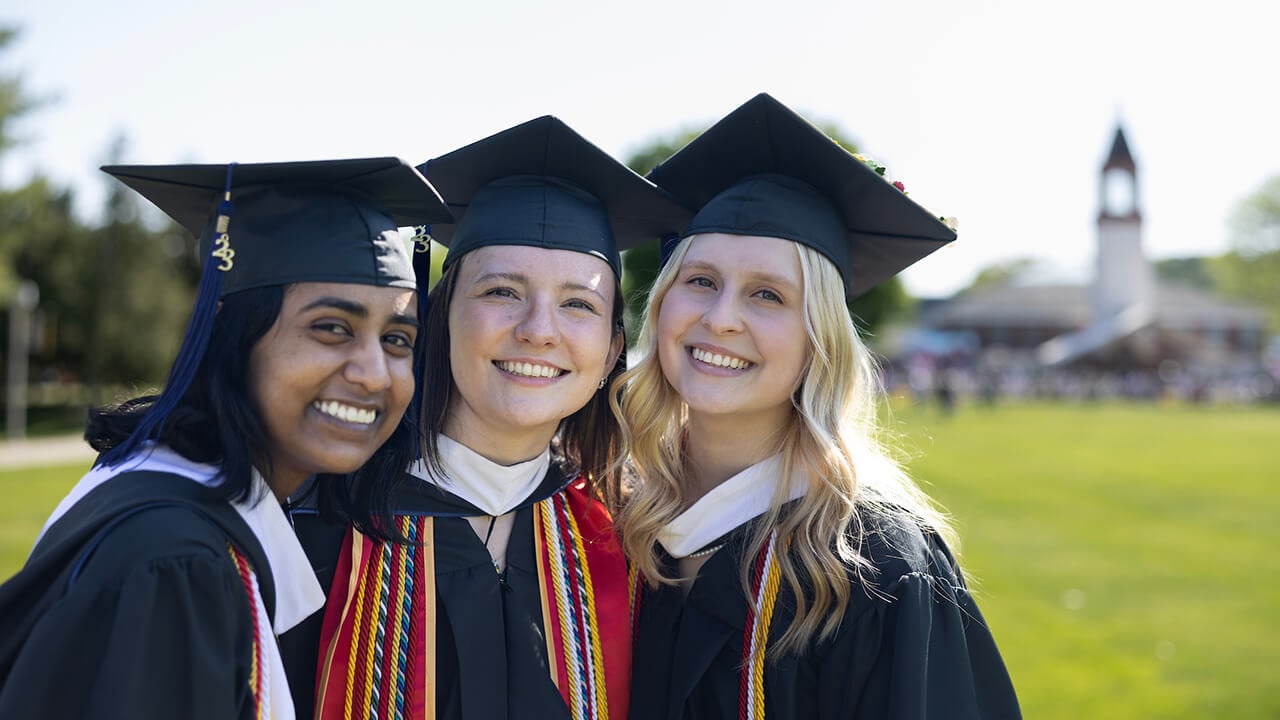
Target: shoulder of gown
<point x="913" y="643"/>
<point x="157" y="623"/>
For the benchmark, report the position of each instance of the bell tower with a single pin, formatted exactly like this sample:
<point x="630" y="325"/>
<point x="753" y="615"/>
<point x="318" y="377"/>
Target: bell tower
<point x="1123" y="279"/>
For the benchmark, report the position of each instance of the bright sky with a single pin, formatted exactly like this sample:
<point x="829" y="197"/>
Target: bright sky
<point x="999" y="112"/>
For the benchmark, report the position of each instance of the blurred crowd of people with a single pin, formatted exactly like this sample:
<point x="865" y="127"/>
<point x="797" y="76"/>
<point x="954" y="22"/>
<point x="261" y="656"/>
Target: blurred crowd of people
<point x="944" y="380"/>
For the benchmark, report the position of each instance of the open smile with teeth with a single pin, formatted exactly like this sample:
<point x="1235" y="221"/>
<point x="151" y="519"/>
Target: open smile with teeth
<point x="724" y="361"/>
<point x="525" y="369"/>
<point x="346" y="413"/>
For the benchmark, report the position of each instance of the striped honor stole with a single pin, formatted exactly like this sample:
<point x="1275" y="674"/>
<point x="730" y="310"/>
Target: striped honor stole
<point x="586" y="613"/>
<point x="765" y="580"/>
<point x="766" y="576"/>
<point x="378" y="641"/>
<point x="378" y="638"/>
<point x="258" y="662"/>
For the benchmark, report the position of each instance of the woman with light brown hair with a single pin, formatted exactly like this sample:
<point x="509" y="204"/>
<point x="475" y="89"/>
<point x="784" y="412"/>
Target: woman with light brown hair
<point x="511" y="597"/>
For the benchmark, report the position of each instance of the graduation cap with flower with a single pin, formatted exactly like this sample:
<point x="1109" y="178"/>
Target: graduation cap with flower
<point x="263" y="224"/>
<point x="765" y="170"/>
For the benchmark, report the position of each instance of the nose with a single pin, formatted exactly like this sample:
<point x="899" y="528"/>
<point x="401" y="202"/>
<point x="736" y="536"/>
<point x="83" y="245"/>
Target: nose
<point x="368" y="366"/>
<point x="539" y="324"/>
<point x="722" y="316"/>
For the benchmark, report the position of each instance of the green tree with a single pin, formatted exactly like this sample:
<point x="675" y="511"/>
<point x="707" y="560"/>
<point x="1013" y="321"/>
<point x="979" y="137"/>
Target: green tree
<point x="659" y="148"/>
<point x="1186" y="271"/>
<point x="640" y="264"/>
<point x="47" y="246"/>
<point x="871" y="310"/>
<point x="1251" y="270"/>
<point x="14" y="100"/>
<point x="14" y="103"/>
<point x="140" y="284"/>
<point x="114" y="299"/>
<point x="1000" y="273"/>
<point x="1255" y="224"/>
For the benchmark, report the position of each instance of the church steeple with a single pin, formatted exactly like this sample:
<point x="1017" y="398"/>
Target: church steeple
<point x="1120" y="156"/>
<point x="1119" y="199"/>
<point x="1123" y="279"/>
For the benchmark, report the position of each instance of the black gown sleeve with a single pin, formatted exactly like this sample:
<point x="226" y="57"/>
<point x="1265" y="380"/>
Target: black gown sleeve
<point x="157" y="626"/>
<point x="925" y="654"/>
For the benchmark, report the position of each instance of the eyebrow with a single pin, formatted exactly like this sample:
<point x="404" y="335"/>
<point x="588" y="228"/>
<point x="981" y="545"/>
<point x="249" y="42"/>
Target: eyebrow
<point x="354" y="308"/>
<point x="521" y="278"/>
<point x="755" y="275"/>
<point x="508" y="276"/>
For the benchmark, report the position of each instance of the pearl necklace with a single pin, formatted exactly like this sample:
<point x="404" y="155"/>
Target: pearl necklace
<point x="707" y="551"/>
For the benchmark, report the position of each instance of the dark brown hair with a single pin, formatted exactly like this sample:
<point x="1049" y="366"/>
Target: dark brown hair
<point x="587" y="441"/>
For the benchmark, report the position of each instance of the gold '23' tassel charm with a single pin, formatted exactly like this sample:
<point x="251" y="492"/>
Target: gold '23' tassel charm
<point x="222" y="241"/>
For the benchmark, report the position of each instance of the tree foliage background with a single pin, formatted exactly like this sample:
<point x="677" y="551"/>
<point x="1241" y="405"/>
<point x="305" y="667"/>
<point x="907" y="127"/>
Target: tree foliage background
<point x="114" y="296"/>
<point x="1251" y="270"/>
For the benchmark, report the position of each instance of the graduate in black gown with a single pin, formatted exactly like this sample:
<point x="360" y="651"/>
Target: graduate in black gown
<point x="158" y="586"/>
<point x="791" y="568"/>
<point x="509" y="597"/>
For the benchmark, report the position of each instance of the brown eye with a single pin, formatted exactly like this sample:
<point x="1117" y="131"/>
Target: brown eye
<point x="398" y="340"/>
<point x="332" y="328"/>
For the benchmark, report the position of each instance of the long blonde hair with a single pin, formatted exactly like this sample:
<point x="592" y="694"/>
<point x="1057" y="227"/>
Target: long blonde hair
<point x="833" y="437"/>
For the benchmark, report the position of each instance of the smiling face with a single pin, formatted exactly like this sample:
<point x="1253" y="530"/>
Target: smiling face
<point x="730" y="334"/>
<point x="332" y="377"/>
<point x="531" y="337"/>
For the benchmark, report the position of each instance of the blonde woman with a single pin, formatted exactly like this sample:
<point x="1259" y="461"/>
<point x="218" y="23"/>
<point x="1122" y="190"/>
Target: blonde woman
<point x="788" y="566"/>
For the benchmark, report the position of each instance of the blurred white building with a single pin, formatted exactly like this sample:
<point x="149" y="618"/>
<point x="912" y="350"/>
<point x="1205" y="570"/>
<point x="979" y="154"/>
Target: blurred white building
<point x="1125" y="319"/>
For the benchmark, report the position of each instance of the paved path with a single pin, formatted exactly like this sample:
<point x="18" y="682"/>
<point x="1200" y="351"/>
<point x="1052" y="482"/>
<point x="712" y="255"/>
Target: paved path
<point x="33" y="452"/>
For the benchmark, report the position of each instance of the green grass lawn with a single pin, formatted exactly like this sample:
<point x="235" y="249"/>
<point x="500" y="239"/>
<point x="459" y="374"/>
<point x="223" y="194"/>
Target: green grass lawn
<point x="1126" y="557"/>
<point x="26" y="498"/>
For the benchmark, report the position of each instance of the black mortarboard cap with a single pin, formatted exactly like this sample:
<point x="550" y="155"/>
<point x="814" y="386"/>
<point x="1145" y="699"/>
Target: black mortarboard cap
<point x="268" y="224"/>
<point x="764" y="170"/>
<point x="542" y="184"/>
<point x="317" y="221"/>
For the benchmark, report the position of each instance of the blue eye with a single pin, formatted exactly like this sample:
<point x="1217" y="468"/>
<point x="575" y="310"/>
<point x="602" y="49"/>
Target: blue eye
<point x="578" y="304"/>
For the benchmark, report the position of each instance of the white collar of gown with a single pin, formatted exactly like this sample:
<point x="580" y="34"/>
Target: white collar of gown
<point x="495" y="489"/>
<point x="743" y="497"/>
<point x="298" y="593"/>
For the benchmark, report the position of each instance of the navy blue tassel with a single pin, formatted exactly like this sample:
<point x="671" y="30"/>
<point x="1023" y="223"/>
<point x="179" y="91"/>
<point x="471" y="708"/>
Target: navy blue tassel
<point x="194" y="342"/>
<point x="422" y="270"/>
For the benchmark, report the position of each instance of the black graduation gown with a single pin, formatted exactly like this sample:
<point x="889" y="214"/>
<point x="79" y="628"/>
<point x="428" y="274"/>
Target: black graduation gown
<point x="130" y="607"/>
<point x="915" y="648"/>
<point x="491" y="655"/>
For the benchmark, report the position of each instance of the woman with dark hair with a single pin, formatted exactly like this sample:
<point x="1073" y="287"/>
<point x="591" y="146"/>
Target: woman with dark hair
<point x="791" y="567"/>
<point x="158" y="585"/>
<point x="513" y="599"/>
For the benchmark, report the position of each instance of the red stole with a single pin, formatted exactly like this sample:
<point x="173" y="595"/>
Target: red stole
<point x="377" y="643"/>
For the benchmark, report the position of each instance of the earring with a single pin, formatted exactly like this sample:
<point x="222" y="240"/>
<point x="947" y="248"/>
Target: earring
<point x="603" y="380"/>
